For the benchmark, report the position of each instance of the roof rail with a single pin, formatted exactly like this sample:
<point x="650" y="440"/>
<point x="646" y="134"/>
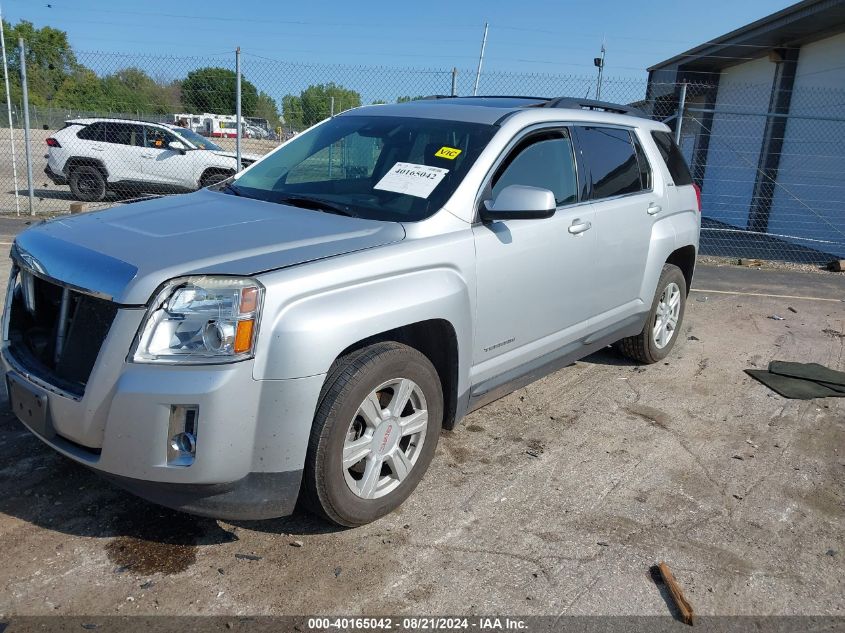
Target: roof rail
<point x="483" y="97"/>
<point x="591" y="104"/>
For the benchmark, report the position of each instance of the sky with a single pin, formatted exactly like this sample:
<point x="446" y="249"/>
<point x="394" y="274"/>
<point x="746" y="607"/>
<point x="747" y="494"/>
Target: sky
<point x="524" y="36"/>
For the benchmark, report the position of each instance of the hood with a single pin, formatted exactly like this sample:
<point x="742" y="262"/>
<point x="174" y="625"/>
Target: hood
<point x="244" y="156"/>
<point x="126" y="252"/>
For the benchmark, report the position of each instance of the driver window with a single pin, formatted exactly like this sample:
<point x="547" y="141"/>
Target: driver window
<point x="157" y="138"/>
<point x="544" y="161"/>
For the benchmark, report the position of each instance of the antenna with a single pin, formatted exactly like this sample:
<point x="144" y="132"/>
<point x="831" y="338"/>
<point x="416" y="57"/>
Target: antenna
<point x="480" y="60"/>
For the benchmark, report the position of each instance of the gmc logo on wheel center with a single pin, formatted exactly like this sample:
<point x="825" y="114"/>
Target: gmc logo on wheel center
<point x="385" y="438"/>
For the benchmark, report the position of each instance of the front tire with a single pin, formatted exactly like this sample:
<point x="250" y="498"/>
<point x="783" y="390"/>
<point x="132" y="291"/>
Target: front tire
<point x="664" y="320"/>
<point x="87" y="183"/>
<point x="214" y="178"/>
<point x="374" y="434"/>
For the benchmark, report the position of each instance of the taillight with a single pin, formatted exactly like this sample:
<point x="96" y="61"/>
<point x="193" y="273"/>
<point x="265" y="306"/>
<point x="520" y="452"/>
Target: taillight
<point x="53" y="142"/>
<point x="697" y="195"/>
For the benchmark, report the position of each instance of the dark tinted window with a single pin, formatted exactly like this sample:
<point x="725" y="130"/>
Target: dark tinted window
<point x="93" y="132"/>
<point x="541" y="161"/>
<point x="645" y="168"/>
<point x="613" y="163"/>
<point x="673" y="158"/>
<point x="124" y="134"/>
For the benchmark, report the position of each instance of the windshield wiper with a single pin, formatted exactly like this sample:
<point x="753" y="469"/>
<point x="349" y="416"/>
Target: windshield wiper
<point x="316" y="204"/>
<point x="228" y="186"/>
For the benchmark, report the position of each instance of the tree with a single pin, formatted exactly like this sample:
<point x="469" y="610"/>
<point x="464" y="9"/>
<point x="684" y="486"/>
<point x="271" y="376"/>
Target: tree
<point x="49" y="60"/>
<point x="265" y="108"/>
<point x="407" y="98"/>
<point x="213" y="90"/>
<point x="315" y="104"/>
<point x="82" y="90"/>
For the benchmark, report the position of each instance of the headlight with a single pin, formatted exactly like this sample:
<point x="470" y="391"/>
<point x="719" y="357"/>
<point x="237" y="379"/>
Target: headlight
<point x="201" y="320"/>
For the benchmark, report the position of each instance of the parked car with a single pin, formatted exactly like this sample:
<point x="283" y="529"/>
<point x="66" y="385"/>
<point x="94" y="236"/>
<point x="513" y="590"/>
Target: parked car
<point x="95" y="156"/>
<point x="306" y="330"/>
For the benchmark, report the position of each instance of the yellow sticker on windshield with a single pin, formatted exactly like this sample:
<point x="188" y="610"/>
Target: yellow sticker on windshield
<point x="447" y="152"/>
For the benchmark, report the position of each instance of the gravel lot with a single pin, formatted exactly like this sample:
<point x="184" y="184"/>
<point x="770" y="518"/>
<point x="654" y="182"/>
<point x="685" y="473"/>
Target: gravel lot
<point x="554" y="500"/>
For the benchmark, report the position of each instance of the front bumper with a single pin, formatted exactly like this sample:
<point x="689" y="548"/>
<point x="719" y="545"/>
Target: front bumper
<point x="252" y="435"/>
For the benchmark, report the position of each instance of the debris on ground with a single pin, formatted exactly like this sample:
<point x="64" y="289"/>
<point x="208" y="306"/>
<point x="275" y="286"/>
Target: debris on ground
<point x="297" y="543"/>
<point x="791" y="309"/>
<point x="684" y="607"/>
<point x="750" y="443"/>
<point x="751" y="263"/>
<point x="833" y="333"/>
<point x="837" y="265"/>
<point x="776" y="317"/>
<point x="693" y="338"/>
<point x="248" y="557"/>
<point x="701" y="298"/>
<point x="801" y="381"/>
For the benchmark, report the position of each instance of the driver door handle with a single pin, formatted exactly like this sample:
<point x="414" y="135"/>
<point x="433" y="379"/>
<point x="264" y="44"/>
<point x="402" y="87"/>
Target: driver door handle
<point x="577" y="227"/>
<point x="653" y="209"/>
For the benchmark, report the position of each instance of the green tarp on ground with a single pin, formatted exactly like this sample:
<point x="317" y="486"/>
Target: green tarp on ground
<point x="802" y="381"/>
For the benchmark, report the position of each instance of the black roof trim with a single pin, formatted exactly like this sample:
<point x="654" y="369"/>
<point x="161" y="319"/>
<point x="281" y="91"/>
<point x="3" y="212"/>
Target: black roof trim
<point x="591" y="104"/>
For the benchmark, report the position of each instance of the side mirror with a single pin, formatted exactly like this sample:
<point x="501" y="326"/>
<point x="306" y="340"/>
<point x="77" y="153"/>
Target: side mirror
<point x="178" y="146"/>
<point x="520" y="202"/>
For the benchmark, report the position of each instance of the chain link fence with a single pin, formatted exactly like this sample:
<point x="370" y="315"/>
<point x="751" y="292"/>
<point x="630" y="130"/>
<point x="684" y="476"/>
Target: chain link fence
<point x="119" y="127"/>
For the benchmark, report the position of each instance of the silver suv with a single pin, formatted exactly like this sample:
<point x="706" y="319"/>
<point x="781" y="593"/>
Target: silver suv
<point x="306" y="329"/>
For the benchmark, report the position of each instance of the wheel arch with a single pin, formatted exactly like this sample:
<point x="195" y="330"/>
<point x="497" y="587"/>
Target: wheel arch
<point x="435" y="339"/>
<point x="82" y="161"/>
<point x="684" y="258"/>
<point x="211" y="171"/>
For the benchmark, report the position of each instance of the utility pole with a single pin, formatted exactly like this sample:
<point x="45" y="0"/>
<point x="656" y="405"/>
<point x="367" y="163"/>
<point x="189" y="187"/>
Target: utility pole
<point x="480" y="59"/>
<point x="238" y="108"/>
<point x="599" y="63"/>
<point x="9" y="113"/>
<point x="26" y="124"/>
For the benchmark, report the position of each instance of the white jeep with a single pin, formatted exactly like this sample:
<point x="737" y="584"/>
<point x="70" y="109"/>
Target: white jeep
<point x="95" y="156"/>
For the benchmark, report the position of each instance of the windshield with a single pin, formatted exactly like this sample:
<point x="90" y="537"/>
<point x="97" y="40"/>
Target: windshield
<point x="376" y="167"/>
<point x="200" y="142"/>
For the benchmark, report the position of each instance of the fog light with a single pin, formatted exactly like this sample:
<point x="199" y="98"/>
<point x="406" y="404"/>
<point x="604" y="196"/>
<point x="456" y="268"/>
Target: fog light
<point x="184" y="443"/>
<point x="182" y="434"/>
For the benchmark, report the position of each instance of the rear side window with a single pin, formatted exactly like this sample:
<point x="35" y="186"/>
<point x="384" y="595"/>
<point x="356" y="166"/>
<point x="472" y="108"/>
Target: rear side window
<point x="613" y="163"/>
<point x="673" y="158"/>
<point x="93" y="132"/>
<point x="544" y="161"/>
<point x="124" y="134"/>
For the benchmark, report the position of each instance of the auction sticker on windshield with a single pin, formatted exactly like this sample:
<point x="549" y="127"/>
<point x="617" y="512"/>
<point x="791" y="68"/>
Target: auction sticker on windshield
<point x="412" y="179"/>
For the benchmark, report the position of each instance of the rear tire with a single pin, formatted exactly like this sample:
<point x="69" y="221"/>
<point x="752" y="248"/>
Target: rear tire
<point x="664" y="320"/>
<point x="87" y="183"/>
<point x="374" y="434"/>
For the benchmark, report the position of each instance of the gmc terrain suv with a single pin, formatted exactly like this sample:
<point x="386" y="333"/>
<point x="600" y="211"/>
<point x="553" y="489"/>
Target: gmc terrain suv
<point x="95" y="156"/>
<point x="306" y="329"/>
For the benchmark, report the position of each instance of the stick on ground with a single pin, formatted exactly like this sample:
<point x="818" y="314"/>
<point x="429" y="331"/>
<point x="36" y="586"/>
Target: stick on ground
<point x="684" y="607"/>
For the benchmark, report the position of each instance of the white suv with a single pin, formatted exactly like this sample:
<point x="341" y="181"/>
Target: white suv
<point x="95" y="156"/>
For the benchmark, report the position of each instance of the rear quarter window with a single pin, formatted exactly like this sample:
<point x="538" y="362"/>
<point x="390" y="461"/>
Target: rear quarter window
<point x="673" y="158"/>
<point x="93" y="132"/>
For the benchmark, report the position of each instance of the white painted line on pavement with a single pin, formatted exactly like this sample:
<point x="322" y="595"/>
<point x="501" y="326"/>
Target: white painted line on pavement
<point x="760" y="294"/>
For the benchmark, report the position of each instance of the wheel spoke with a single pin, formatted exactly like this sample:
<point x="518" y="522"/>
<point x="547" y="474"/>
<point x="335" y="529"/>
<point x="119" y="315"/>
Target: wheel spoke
<point x="414" y="423"/>
<point x="400" y="464"/>
<point x="401" y="395"/>
<point x="371" y="410"/>
<point x="675" y="300"/>
<point x="356" y="450"/>
<point x="372" y="474"/>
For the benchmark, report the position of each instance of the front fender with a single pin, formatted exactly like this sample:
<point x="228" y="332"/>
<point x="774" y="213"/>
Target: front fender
<point x="304" y="336"/>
